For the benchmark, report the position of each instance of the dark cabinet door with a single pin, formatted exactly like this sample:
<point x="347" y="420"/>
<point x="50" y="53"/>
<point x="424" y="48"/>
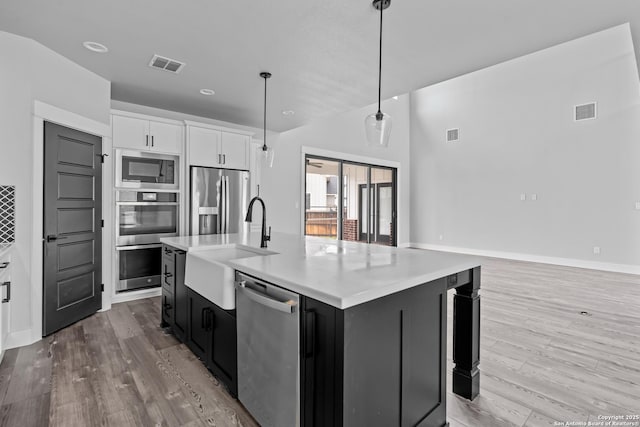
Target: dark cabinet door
<point x="168" y="267"/>
<point x="181" y="317"/>
<point x="321" y="365"/>
<point x="200" y="316"/>
<point x="223" y="360"/>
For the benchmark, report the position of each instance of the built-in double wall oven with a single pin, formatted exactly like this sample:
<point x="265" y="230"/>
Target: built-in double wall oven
<point x="147" y="208"/>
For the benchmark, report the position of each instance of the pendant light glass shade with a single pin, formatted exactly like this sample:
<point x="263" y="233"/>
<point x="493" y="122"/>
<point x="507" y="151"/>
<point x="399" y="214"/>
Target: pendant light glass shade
<point x="267" y="155"/>
<point x="377" y="126"/>
<point x="378" y="129"/>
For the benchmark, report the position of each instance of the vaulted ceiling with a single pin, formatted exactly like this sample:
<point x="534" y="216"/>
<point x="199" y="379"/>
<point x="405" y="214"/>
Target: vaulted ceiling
<point x="323" y="54"/>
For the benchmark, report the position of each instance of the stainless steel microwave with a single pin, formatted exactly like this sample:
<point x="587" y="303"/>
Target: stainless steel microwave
<point x="138" y="169"/>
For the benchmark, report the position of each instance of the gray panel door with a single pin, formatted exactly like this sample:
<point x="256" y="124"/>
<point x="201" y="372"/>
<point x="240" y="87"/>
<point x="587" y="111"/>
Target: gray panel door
<point x="72" y="264"/>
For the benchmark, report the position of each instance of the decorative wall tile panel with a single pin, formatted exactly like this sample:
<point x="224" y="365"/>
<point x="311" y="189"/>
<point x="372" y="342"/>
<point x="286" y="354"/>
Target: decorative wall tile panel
<point x="7" y="213"/>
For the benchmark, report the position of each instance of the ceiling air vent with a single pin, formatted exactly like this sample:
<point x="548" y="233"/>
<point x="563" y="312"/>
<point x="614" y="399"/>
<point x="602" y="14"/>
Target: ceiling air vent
<point x="453" y="135"/>
<point x="585" y="111"/>
<point x="166" y="64"/>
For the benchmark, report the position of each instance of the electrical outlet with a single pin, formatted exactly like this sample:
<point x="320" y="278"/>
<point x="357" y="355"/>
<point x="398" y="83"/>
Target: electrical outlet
<point x="523" y="196"/>
<point x="441" y="237"/>
<point x="534" y="196"/>
<point x="297" y="205"/>
<point x="596" y="250"/>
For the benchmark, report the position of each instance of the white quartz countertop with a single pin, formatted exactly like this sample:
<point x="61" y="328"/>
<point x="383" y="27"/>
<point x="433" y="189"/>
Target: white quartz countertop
<point x="342" y="274"/>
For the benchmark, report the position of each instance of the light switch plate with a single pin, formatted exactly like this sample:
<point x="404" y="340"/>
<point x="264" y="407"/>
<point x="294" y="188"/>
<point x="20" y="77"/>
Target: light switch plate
<point x="534" y="196"/>
<point x="523" y="196"/>
<point x="596" y="250"/>
<point x="638" y="206"/>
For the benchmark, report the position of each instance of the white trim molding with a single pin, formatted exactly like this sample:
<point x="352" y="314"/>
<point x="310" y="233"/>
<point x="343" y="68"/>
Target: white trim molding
<point x="567" y="262"/>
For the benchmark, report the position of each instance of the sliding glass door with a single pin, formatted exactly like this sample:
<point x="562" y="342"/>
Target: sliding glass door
<point x="350" y="201"/>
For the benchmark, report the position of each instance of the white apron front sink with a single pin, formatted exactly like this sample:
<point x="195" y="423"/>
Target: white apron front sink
<point x="208" y="274"/>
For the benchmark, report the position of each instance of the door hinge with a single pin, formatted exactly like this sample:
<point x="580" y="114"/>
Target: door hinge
<point x="102" y="223"/>
<point x="101" y="287"/>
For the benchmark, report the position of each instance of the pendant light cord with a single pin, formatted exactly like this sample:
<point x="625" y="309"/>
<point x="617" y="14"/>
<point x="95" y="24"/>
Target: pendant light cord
<point x="380" y="59"/>
<point x="264" y="137"/>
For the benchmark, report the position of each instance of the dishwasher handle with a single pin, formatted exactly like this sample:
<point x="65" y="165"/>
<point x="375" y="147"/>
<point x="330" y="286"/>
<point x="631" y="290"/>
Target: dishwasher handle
<point x="260" y="298"/>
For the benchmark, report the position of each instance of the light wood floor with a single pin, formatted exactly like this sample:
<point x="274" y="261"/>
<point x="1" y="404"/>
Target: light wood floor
<point x="541" y="360"/>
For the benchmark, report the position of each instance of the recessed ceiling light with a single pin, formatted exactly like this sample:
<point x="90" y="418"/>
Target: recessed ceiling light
<point x="96" y="47"/>
<point x="207" y="92"/>
<point x="395" y="97"/>
<point x="288" y="112"/>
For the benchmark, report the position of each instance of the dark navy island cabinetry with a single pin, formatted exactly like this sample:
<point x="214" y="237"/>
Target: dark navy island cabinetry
<point x="383" y="362"/>
<point x="208" y="330"/>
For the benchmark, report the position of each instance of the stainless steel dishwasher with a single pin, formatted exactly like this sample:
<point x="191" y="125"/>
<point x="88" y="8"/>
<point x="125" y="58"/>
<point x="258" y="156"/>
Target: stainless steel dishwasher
<point x="268" y="351"/>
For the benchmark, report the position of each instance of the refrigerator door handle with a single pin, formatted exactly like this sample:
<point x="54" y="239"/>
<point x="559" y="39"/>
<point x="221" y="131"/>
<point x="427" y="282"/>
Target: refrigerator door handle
<point x="226" y="206"/>
<point x="222" y="202"/>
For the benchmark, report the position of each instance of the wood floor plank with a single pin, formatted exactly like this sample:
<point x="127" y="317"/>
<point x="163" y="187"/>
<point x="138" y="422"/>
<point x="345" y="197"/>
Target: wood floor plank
<point x="31" y="373"/>
<point x="165" y="401"/>
<point x="210" y="398"/>
<point x="29" y="412"/>
<point x="123" y="321"/>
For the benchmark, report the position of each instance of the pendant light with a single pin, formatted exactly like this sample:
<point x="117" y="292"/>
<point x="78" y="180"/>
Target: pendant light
<point x="378" y="126"/>
<point x="267" y="152"/>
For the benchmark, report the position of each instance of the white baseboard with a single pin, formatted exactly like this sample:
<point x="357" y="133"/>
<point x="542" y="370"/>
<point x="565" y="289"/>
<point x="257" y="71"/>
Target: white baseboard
<point x="404" y="245"/>
<point x="568" y="262"/>
<point x="20" y="338"/>
<point x="134" y="295"/>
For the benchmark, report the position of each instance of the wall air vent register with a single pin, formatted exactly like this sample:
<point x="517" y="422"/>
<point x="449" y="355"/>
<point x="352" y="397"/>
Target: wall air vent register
<point x="585" y="111"/>
<point x="453" y="135"/>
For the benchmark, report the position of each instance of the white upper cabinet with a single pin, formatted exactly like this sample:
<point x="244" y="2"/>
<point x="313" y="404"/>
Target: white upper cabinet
<point x="166" y="137"/>
<point x="142" y="134"/>
<point x="217" y="148"/>
<point x="204" y="147"/>
<point x="235" y="149"/>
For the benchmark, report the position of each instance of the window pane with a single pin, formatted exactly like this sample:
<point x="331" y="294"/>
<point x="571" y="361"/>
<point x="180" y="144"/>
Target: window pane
<point x="321" y="199"/>
<point x="382" y="206"/>
<point x="355" y="221"/>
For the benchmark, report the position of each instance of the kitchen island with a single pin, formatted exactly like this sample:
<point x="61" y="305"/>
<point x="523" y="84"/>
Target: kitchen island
<point x="373" y="322"/>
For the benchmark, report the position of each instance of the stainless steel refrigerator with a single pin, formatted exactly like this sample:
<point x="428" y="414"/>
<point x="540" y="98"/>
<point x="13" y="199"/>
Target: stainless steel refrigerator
<point x="219" y="200"/>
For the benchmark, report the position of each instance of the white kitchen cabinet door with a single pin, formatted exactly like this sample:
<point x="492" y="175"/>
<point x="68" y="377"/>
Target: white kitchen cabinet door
<point x="204" y="147"/>
<point x="235" y="149"/>
<point x="165" y="137"/>
<point x="129" y="132"/>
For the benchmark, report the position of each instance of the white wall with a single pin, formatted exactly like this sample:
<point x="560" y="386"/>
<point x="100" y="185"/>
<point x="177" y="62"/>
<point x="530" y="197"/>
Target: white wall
<point x="343" y="133"/>
<point x="517" y="135"/>
<point x="28" y="72"/>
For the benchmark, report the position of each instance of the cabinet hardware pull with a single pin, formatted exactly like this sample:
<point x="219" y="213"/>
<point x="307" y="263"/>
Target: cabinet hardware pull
<point x="5" y="264"/>
<point x="8" y="298"/>
<point x="152" y="140"/>
<point x="203" y="319"/>
<point x="147" y="140"/>
<point x="167" y="274"/>
<point x="224" y="159"/>
<point x="310" y="334"/>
